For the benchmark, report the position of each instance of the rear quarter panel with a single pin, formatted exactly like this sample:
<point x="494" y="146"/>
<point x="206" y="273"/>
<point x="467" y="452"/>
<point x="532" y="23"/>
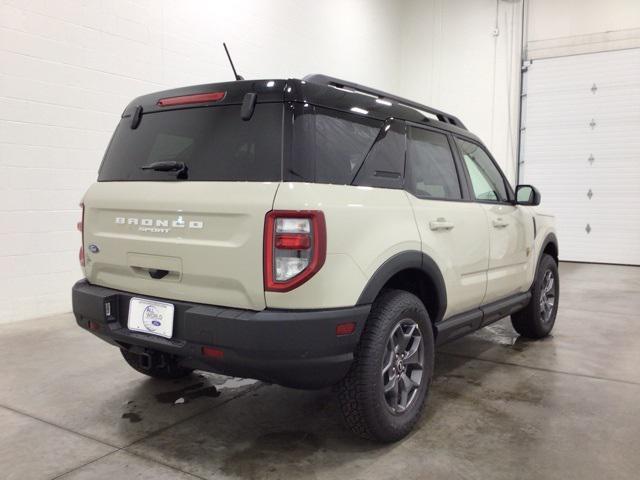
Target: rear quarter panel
<point x="365" y="226"/>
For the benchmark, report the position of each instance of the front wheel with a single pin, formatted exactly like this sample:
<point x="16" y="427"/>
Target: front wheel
<point x="384" y="393"/>
<point x="537" y="319"/>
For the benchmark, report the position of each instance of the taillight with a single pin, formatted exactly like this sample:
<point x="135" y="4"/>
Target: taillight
<point x="80" y="227"/>
<point x="195" y="98"/>
<point x="295" y="247"/>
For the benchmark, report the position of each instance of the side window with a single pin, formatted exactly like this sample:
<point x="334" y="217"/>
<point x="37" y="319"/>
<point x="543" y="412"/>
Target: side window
<point x="384" y="164"/>
<point x="431" y="168"/>
<point x="329" y="146"/>
<point x="486" y="180"/>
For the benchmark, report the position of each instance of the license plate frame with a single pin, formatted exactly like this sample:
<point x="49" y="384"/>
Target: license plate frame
<point x="151" y="316"/>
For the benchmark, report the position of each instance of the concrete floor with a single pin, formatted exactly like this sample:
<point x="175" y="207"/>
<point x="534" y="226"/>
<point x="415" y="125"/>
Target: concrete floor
<point x="500" y="407"/>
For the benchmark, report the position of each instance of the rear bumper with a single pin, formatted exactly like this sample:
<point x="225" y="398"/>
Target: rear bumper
<point x="296" y="348"/>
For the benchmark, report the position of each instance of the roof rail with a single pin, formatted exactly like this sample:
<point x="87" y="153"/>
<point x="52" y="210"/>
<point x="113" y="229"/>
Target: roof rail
<point x="338" y="83"/>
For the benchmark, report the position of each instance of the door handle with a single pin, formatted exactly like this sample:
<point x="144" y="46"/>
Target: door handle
<point x="499" y="223"/>
<point x="440" y="224"/>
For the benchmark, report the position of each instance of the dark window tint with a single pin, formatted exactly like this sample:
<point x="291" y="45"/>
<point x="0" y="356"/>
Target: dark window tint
<point x="384" y="165"/>
<point x="486" y="180"/>
<point x="431" y="168"/>
<point x="214" y="143"/>
<point x="329" y="146"/>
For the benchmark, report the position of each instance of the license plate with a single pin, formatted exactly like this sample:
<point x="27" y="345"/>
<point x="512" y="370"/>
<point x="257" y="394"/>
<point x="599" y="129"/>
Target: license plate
<point x="149" y="316"/>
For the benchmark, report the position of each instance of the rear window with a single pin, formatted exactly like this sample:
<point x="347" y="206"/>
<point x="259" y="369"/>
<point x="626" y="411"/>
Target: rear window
<point x="213" y="142"/>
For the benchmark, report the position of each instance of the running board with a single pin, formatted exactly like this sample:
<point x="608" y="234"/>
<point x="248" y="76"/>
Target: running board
<point x="467" y="322"/>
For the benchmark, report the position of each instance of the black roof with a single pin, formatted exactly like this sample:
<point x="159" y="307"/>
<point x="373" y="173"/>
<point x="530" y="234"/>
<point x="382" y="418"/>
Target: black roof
<point x="317" y="90"/>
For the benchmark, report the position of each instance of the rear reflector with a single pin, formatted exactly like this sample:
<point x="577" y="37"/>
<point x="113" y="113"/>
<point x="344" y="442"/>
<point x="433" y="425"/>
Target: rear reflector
<point x="212" y="352"/>
<point x="293" y="242"/>
<point x="186" y="99"/>
<point x="345" y="328"/>
<point x="93" y="326"/>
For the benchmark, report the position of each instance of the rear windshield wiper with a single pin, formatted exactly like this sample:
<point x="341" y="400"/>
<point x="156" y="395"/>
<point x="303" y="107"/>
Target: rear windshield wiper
<point x="168" y="166"/>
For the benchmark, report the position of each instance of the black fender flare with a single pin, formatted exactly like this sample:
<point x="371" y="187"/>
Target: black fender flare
<point x="550" y="238"/>
<point x="407" y="260"/>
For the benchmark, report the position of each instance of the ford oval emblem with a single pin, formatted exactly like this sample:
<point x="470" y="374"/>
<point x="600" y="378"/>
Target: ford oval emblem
<point x="93" y="248"/>
<point x="156" y="323"/>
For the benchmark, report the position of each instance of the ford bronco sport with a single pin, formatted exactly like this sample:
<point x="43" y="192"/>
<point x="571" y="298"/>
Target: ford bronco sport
<point x="307" y="233"/>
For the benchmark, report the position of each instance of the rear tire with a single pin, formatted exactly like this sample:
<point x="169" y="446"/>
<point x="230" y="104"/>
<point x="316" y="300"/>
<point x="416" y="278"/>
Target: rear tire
<point x="395" y="354"/>
<point x="166" y="369"/>
<point x="537" y="319"/>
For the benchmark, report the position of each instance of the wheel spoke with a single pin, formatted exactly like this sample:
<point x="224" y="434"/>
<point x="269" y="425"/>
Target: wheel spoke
<point x="388" y="364"/>
<point x="543" y="308"/>
<point x="415" y="376"/>
<point x="405" y="337"/>
<point x="404" y="396"/>
<point x="396" y="391"/>
<point x="407" y="382"/>
<point x="391" y="384"/>
<point x="549" y="286"/>
<point x="413" y="354"/>
<point x="391" y="344"/>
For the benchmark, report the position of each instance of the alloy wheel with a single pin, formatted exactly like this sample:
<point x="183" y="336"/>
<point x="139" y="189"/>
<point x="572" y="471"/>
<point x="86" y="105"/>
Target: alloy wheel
<point x="403" y="365"/>
<point x="547" y="296"/>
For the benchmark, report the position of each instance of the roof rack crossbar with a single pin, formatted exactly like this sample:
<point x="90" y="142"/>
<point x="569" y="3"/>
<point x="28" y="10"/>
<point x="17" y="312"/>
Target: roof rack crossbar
<point x="338" y="83"/>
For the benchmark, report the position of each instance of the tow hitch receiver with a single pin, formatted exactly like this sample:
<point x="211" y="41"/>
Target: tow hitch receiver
<point x="149" y="360"/>
<point x="146" y="361"/>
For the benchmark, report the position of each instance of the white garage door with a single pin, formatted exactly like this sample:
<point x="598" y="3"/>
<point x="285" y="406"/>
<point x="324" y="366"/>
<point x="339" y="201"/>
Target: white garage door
<point x="581" y="148"/>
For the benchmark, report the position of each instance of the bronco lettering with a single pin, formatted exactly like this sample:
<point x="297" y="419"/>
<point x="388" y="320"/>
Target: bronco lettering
<point x="160" y="224"/>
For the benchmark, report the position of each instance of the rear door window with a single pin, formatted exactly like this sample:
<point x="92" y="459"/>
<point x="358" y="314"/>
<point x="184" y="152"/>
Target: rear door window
<point x="214" y="143"/>
<point x="431" y="170"/>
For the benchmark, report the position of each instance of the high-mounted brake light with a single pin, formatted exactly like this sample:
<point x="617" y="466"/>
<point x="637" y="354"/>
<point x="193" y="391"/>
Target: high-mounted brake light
<point x="80" y="227"/>
<point x="295" y="247"/>
<point x="195" y="98"/>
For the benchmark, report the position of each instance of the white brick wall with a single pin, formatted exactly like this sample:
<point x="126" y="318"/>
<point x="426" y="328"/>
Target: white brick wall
<point x="68" y="68"/>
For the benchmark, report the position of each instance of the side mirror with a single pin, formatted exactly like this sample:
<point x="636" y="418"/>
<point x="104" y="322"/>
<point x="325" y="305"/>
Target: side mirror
<point x="527" y="195"/>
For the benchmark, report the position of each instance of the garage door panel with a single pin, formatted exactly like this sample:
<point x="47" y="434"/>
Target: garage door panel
<point x="623" y="117"/>
<point x="565" y="73"/>
<point x="582" y="150"/>
<point x="621" y="140"/>
<point x="611" y="107"/>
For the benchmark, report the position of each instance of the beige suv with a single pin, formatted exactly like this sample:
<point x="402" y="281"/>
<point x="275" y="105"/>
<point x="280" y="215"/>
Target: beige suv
<point x="307" y="233"/>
